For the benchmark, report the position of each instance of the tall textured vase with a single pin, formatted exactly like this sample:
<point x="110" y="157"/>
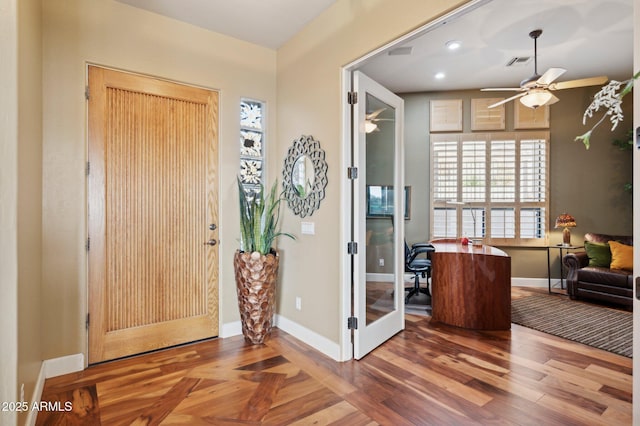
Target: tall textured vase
<point x="256" y="276"/>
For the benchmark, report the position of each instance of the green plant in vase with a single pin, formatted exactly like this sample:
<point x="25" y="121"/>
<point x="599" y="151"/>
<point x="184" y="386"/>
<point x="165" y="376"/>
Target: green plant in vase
<point x="256" y="263"/>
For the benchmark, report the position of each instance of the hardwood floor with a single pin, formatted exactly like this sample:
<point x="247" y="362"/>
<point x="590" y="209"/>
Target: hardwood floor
<point x="429" y="374"/>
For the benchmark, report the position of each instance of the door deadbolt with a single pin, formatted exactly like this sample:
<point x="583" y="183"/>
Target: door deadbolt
<point x="212" y="227"/>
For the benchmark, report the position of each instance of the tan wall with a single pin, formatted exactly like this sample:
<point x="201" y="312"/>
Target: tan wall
<point x="589" y="184"/>
<point x="113" y="34"/>
<point x="309" y="102"/>
<point x="8" y="206"/>
<point x="29" y="194"/>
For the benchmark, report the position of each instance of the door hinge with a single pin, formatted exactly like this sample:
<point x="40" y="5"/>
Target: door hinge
<point x="87" y="321"/>
<point x="352" y="173"/>
<point x="352" y="247"/>
<point x="88" y="245"/>
<point x="352" y="98"/>
<point x="88" y="168"/>
<point x="86" y="92"/>
<point x="352" y="323"/>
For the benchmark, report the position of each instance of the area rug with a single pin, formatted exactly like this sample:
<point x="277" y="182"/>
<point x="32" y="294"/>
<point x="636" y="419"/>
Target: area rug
<point x="593" y="325"/>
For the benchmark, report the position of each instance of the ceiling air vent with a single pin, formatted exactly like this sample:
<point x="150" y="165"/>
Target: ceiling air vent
<point x="406" y="50"/>
<point x="519" y="61"/>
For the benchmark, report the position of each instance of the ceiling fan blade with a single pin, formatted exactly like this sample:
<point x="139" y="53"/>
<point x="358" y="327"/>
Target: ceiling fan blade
<point x="500" y="89"/>
<point x="553" y="100"/>
<point x="504" y="101"/>
<point x="582" y="82"/>
<point x="550" y="76"/>
<point x="374" y="114"/>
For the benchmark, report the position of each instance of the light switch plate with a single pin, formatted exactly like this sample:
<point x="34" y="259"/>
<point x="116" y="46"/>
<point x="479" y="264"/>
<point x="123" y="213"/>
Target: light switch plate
<point x="308" y="228"/>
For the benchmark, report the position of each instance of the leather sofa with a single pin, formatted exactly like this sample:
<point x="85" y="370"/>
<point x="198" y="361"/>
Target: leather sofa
<point x="599" y="283"/>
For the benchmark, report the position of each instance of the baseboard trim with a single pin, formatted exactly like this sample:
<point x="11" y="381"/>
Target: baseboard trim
<point x="63" y="365"/>
<point x="310" y="337"/>
<point x="231" y="329"/>
<point x="37" y="395"/>
<point x="379" y="277"/>
<point x="531" y="282"/>
<point x="52" y="368"/>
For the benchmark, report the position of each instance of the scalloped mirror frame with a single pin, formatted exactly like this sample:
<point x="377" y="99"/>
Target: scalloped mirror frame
<point x="305" y="206"/>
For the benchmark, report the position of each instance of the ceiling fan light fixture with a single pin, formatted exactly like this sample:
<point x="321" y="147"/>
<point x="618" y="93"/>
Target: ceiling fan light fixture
<point x="370" y="126"/>
<point x="536" y="98"/>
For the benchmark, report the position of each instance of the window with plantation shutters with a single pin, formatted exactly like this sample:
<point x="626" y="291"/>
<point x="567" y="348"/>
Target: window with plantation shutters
<point x="490" y="185"/>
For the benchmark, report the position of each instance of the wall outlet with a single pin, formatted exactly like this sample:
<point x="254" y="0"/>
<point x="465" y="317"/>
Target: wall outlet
<point x="308" y="228"/>
<point x="381" y="262"/>
<point x="299" y="303"/>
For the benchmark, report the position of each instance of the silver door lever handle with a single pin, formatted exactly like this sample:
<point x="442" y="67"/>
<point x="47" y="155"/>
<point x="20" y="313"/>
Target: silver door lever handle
<point x="211" y="242"/>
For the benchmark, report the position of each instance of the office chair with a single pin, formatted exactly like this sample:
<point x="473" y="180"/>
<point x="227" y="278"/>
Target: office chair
<point x="418" y="265"/>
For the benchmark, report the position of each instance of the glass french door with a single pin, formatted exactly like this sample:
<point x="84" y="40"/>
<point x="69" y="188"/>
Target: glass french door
<point x="378" y="215"/>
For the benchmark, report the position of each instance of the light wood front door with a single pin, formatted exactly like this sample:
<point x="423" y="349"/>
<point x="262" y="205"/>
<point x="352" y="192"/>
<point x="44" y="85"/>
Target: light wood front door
<point x="152" y="214"/>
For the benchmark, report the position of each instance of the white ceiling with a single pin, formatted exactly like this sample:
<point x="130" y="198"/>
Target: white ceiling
<point x="586" y="37"/>
<point x="268" y="23"/>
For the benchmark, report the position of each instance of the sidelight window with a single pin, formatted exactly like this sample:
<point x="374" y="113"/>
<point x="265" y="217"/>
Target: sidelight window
<point x="251" y="143"/>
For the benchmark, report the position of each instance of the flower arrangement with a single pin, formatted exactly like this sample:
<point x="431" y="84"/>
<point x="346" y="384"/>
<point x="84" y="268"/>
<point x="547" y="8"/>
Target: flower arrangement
<point x="610" y="98"/>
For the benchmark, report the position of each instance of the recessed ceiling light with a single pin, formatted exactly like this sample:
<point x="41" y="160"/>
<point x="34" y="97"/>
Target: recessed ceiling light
<point x="453" y="44"/>
<point x="439" y="75"/>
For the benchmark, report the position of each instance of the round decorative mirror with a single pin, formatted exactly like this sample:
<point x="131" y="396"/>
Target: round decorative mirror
<point x="304" y="176"/>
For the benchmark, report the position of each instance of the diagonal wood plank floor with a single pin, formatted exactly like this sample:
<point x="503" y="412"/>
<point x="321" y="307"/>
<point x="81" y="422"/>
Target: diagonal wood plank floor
<point x="427" y="374"/>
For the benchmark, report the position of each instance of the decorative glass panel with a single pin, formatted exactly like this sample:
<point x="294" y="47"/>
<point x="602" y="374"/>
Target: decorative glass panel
<point x="251" y="114"/>
<point x="250" y="144"/>
<point x="250" y="172"/>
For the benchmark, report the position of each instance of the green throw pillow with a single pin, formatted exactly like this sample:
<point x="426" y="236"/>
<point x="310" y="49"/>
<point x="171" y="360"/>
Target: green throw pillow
<point x="599" y="254"/>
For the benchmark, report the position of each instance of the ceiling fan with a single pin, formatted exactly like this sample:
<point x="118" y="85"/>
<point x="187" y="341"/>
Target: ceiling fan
<point x="372" y="118"/>
<point x="536" y="90"/>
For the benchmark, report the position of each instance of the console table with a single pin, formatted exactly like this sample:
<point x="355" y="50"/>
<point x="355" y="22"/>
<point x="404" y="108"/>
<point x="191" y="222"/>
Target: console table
<point x="471" y="286"/>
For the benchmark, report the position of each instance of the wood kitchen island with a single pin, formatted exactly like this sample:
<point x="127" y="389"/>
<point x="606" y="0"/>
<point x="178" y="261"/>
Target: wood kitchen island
<point x="471" y="286"/>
